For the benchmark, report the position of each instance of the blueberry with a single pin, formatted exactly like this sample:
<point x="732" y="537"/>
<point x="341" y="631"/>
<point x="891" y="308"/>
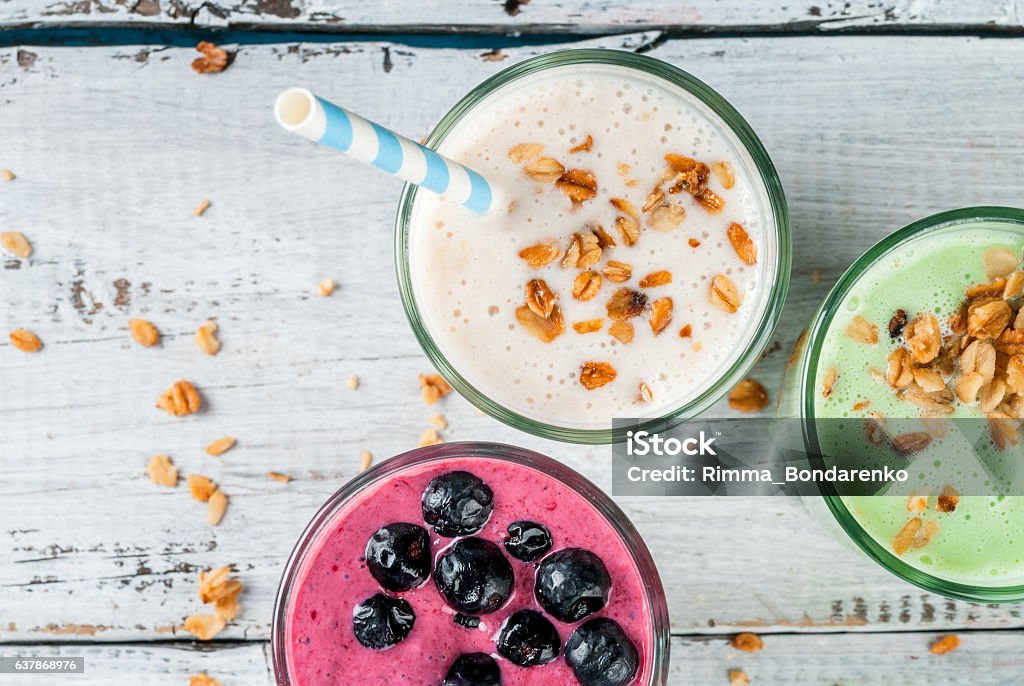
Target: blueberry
<point x="473" y="669"/>
<point x="382" y="621"/>
<point x="571" y="584"/>
<point x="398" y="556"/>
<point x="473" y="576"/>
<point x="468" y="621"/>
<point x="528" y="639"/>
<point x="457" y="504"/>
<point x="600" y="654"/>
<point x="527" y="540"/>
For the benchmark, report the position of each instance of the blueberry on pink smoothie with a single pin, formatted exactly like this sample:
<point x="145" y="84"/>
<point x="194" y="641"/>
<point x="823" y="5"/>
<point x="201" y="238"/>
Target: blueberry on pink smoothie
<point x="457" y="504"/>
<point x="398" y="556"/>
<point x="473" y="669"/>
<point x="572" y="583"/>
<point x="473" y="576"/>
<point x="382" y="621"/>
<point x="600" y="654"/>
<point x="528" y="639"/>
<point x="527" y="541"/>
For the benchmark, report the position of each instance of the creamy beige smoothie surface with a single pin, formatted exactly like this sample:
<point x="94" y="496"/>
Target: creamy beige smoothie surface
<point x="627" y="271"/>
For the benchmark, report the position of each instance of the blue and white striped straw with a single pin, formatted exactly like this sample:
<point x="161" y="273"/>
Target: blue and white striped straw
<point x="300" y="111"/>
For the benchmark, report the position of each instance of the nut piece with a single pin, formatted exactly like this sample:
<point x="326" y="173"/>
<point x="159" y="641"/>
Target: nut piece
<point x="629" y="229"/>
<point x="579" y="185"/>
<point x="278" y="476"/>
<point x="661" y="314"/>
<point x="989" y="320"/>
<point x="218" y="505"/>
<point x="723" y="294"/>
<point x="220" y="446"/>
<point x="998" y="262"/>
<point x="596" y="374"/>
<point x="586" y="285"/>
<point x="26" y="341"/>
<point x="588" y="326"/>
<point x="737" y="677"/>
<point x="15" y="243"/>
<point x="546" y="329"/>
<point x="539" y="298"/>
<point x="180" y="399"/>
<point x="666" y="217"/>
<point x="1014" y="285"/>
<point x="617" y="271"/>
<point x="201" y="208"/>
<point x="686" y="331"/>
<point x="326" y="287"/>
<point x="162" y="471"/>
<point x="862" y="331"/>
<point x="711" y="201"/>
<point x="541" y="254"/>
<point x="897" y="323"/>
<point x="7" y="175"/>
<point x="585" y="146"/>
<point x="905" y="537"/>
<point x="544" y="170"/>
<point x="430" y="437"/>
<point x="626" y="303"/>
<point x="694" y="243"/>
<point x="352" y="383"/>
<point x="200" y="487"/>
<point x="204" y="627"/>
<point x="747" y="642"/>
<point x="723" y="172"/>
<point x="748" y="395"/>
<point x="622" y="331"/>
<point x="912" y="442"/>
<point x="365" y="460"/>
<point x="948" y="499"/>
<point x="655" y="279"/>
<point x="206" y="338"/>
<point x="214" y="59"/>
<point x="687" y="174"/>
<point x="433" y="388"/>
<point x="525" y="151"/>
<point x="899" y="371"/>
<point x="438" y="421"/>
<point x="202" y="679"/>
<point x="923" y="337"/>
<point x="946" y="644"/>
<point x="144" y="332"/>
<point x="742" y="243"/>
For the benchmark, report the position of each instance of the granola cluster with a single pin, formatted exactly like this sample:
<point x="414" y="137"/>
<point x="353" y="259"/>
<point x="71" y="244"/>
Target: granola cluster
<point x="587" y="254"/>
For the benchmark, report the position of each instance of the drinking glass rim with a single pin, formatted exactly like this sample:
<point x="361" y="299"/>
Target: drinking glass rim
<point x="746" y="137"/>
<point x="815" y="338"/>
<point x="640" y="554"/>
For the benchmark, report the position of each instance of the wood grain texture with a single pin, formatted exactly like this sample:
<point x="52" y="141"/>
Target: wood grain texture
<point x="521" y="16"/>
<point x="991" y="659"/>
<point x="113" y="147"/>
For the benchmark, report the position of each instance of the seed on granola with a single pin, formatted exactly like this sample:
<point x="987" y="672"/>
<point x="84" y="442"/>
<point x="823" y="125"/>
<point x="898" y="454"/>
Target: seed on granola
<point x="666" y="217"/>
<point x="655" y="279"/>
<point x="646" y="394"/>
<point x="723" y="172"/>
<point x="747" y="642"/>
<point x="200" y="487"/>
<point x="946" y="644"/>
<point x="661" y="314"/>
<point x="204" y="627"/>
<point x="220" y="446"/>
<point x="711" y="201"/>
<point x="278" y="476"/>
<point x="948" y="499"/>
<point x="218" y="505"/>
<point x="737" y="677"/>
<point x="430" y="437"/>
<point x="694" y="243"/>
<point x="588" y="326"/>
<point x="923" y="338"/>
<point x="828" y="382"/>
<point x="206" y="338"/>
<point x="15" y="243"/>
<point x="433" y="387"/>
<point x="26" y="341"/>
<point x="596" y="374"/>
<point x="214" y="59"/>
<point x="911" y="442"/>
<point x="622" y="331"/>
<point x="905" y="537"/>
<point x="365" y="460"/>
<point x="546" y="329"/>
<point x="579" y="185"/>
<point x="586" y="285"/>
<point x="539" y="298"/>
<point x="180" y="399"/>
<point x="653" y="200"/>
<point x="989" y="320"/>
<point x="326" y="287"/>
<point x="626" y="207"/>
<point x="162" y="471"/>
<point x="748" y="395"/>
<point x="525" y="151"/>
<point x="144" y="332"/>
<point x="541" y="254"/>
<point x="723" y="294"/>
<point x="744" y="246"/>
<point x="862" y="331"/>
<point x="585" y="146"/>
<point x="544" y="170"/>
<point x="201" y="208"/>
<point x="628" y="229"/>
<point x="617" y="271"/>
<point x="626" y="303"/>
<point x="897" y="323"/>
<point x="686" y="331"/>
<point x="998" y="262"/>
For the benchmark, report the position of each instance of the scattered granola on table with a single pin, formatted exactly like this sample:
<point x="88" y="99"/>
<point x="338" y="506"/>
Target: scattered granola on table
<point x="16" y="243"/>
<point x="747" y="642"/>
<point x="945" y="644"/>
<point x="26" y="341"/>
<point x="180" y="399"/>
<point x="201" y="208"/>
<point x="144" y="332"/>
<point x="213" y="60"/>
<point x="433" y="388"/>
<point x="220" y="446"/>
<point x="748" y="395"/>
<point x="162" y="472"/>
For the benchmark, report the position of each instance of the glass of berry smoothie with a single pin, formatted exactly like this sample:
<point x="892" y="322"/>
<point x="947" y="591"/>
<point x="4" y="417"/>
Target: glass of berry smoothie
<point x="918" y="353"/>
<point x="635" y="266"/>
<point x="470" y="564"/>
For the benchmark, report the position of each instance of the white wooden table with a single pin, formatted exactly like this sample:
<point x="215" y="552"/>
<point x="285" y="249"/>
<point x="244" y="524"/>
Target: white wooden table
<point x="875" y="112"/>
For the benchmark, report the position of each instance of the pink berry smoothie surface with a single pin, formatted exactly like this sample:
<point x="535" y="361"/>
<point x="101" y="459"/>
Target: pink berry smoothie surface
<point x="321" y="646"/>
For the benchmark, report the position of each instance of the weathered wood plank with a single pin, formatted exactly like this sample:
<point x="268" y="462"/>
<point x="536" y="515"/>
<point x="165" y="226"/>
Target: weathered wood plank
<point x="521" y="16"/>
<point x="985" y="658"/>
<point x="114" y="146"/>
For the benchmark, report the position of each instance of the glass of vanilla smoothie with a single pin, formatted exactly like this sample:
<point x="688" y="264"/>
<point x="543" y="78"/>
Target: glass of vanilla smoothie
<point x="637" y="260"/>
<point x="918" y="354"/>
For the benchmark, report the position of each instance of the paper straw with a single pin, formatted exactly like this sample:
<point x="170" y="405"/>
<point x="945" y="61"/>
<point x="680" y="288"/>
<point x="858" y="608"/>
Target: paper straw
<point x="300" y="111"/>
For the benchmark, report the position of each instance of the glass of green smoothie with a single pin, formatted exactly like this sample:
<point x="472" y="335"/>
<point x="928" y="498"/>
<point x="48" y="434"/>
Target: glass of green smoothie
<point x="919" y="349"/>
